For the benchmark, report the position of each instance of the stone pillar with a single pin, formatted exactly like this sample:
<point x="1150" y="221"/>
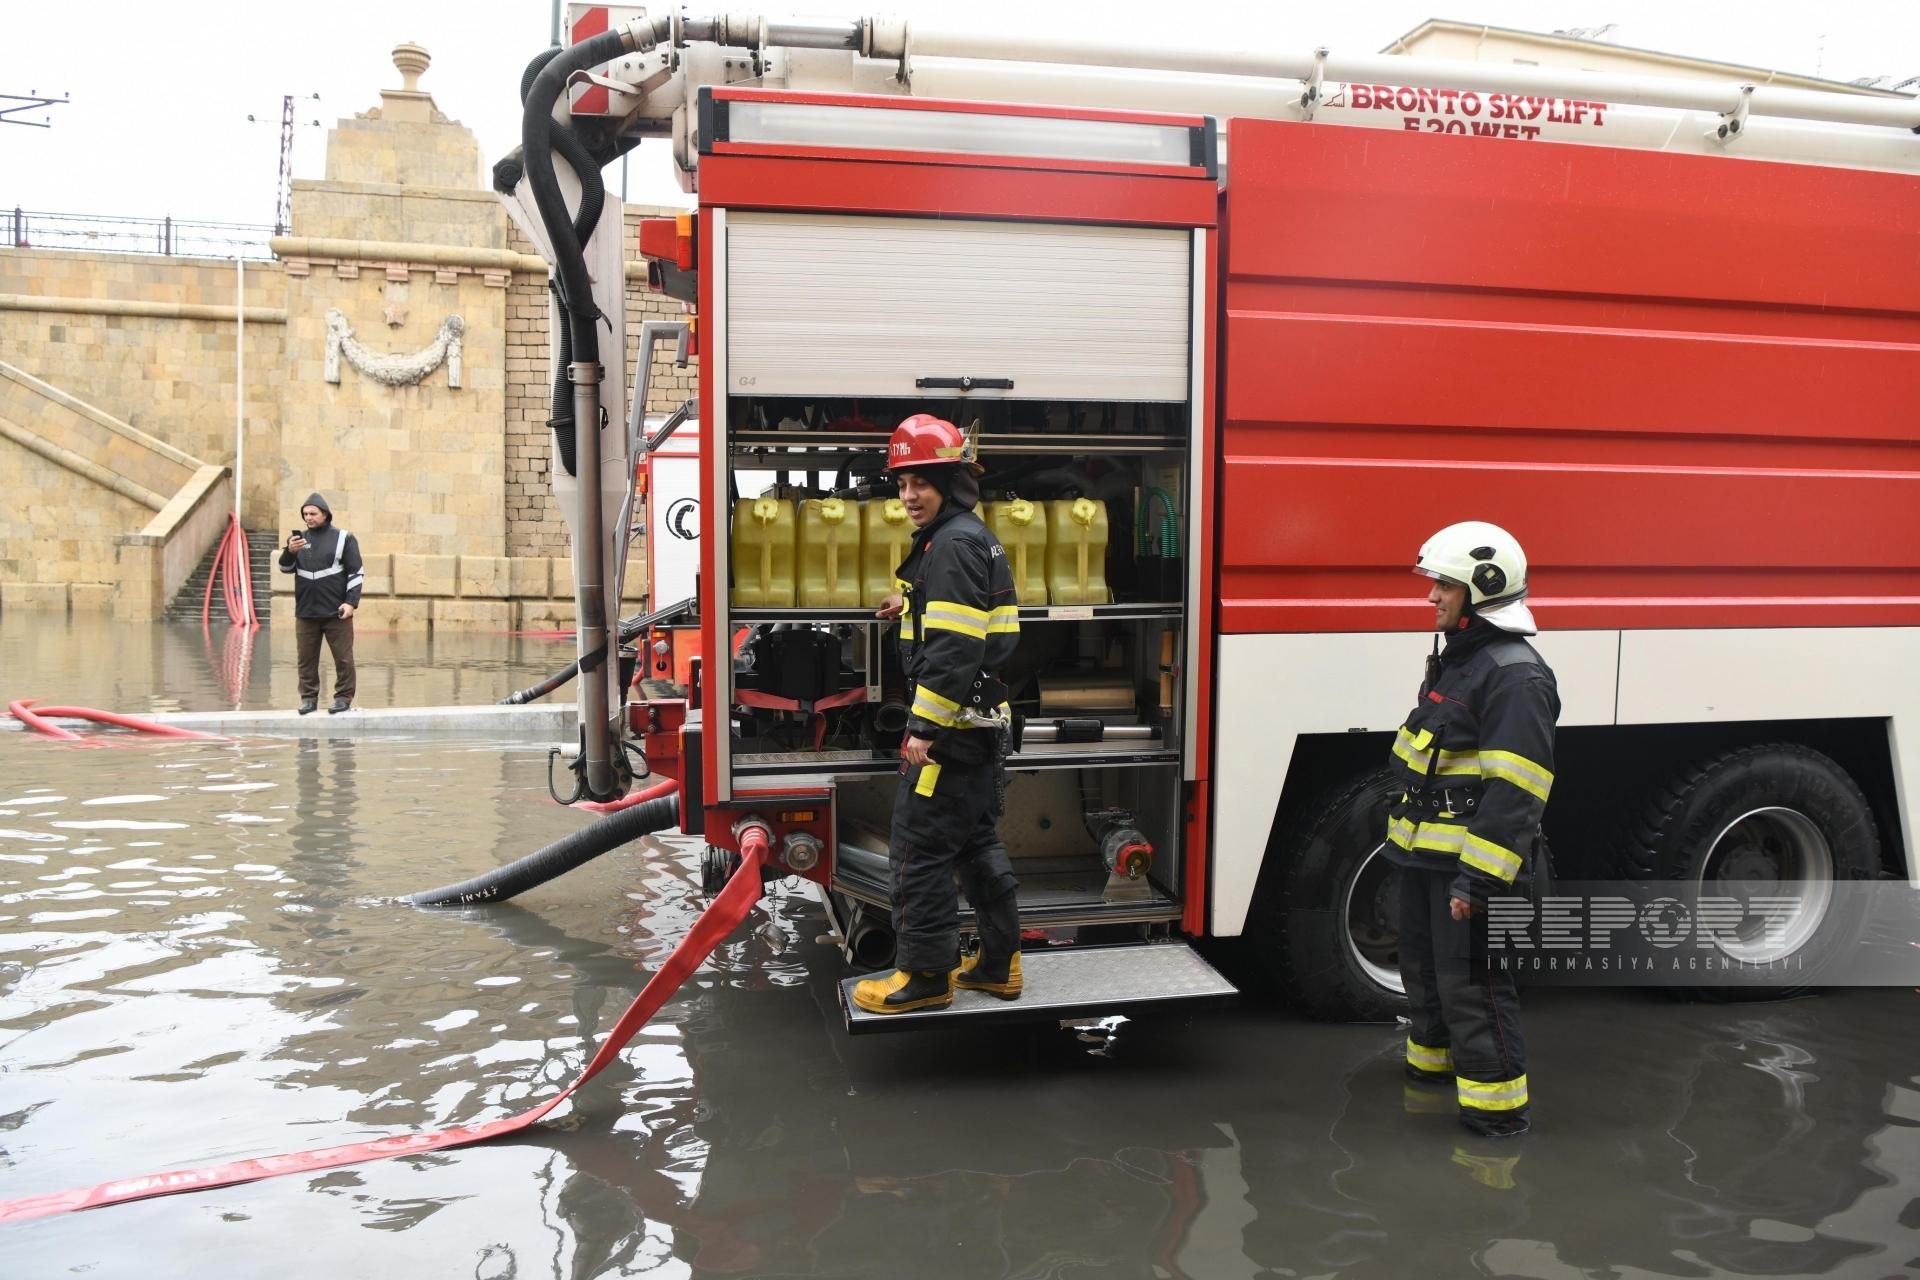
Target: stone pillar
<point x="410" y="462"/>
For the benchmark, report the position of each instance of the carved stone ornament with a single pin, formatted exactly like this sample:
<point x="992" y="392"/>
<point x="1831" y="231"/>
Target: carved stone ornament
<point x="393" y="370"/>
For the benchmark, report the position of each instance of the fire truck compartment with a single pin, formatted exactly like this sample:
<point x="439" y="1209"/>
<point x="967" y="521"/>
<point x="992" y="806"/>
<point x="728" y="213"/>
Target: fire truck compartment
<point x="1070" y="982"/>
<point x="1053" y="827"/>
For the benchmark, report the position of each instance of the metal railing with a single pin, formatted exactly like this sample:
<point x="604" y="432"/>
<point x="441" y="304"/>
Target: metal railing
<point x="174" y="237"/>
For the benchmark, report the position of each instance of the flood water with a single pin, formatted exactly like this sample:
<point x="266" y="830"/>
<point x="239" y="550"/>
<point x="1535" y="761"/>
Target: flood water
<point x="202" y="959"/>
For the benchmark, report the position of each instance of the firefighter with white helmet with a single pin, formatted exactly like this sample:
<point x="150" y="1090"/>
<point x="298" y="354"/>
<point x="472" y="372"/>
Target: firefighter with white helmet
<point x="959" y="623"/>
<point x="1475" y="758"/>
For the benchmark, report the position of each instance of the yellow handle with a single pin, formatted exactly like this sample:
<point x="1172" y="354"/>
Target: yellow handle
<point x="1083" y="511"/>
<point x="1020" y="511"/>
<point x="894" y="511"/>
<point x="766" y="511"/>
<point x="834" y="510"/>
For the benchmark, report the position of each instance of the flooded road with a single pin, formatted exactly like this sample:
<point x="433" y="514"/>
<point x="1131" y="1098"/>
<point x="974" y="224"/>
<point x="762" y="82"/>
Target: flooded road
<point x="202" y="959"/>
<point x="140" y="668"/>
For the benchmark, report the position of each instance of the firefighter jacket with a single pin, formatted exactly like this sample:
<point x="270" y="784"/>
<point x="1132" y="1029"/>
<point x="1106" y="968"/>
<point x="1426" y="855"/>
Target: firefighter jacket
<point x="1475" y="759"/>
<point x="960" y="622"/>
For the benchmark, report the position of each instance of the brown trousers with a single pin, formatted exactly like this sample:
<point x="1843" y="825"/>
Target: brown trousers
<point x="339" y="636"/>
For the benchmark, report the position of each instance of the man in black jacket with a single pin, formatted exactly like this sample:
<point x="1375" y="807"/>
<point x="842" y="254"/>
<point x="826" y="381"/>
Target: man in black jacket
<point x="1475" y="757"/>
<point x="959" y="623"/>
<point x="325" y="564"/>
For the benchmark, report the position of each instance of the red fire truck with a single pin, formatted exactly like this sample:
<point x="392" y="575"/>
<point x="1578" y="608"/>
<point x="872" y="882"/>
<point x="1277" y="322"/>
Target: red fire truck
<point x="1265" y="320"/>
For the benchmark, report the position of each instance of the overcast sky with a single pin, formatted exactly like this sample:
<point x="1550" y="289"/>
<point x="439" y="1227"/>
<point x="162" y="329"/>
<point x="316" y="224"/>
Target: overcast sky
<point x="161" y="91"/>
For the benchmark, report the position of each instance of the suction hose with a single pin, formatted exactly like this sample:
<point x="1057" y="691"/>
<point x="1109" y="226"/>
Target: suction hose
<point x="563" y="855"/>
<point x="630" y="629"/>
<point x="535" y="692"/>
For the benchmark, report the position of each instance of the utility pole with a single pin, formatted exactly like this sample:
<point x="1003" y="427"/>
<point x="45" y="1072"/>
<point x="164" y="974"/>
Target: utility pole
<point x="553" y="36"/>
<point x="281" y="211"/>
<point x="283" y="187"/>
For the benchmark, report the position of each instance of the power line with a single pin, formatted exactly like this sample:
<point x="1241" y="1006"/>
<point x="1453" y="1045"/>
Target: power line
<point x="31" y="100"/>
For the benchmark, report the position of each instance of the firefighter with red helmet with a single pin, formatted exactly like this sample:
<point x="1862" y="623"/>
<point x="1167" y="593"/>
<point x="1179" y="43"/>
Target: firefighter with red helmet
<point x="959" y="623"/>
<point x="1476" y="760"/>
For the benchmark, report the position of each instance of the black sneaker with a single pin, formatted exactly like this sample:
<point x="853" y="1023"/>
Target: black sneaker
<point x="308" y="707"/>
<point x="1495" y="1125"/>
<point x="339" y="705"/>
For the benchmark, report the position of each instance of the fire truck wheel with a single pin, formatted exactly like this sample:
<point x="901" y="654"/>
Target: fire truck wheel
<point x="1784" y="829"/>
<point x="1325" y="922"/>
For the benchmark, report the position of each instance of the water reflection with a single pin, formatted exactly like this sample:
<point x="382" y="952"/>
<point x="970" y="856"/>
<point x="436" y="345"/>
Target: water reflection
<point x="91" y="660"/>
<point x="232" y="975"/>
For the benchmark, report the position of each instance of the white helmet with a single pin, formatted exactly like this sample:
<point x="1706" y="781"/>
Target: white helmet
<point x="1488" y="562"/>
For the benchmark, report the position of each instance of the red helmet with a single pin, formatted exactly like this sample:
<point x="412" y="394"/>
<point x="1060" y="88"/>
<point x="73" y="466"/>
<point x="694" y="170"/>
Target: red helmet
<point x="926" y="441"/>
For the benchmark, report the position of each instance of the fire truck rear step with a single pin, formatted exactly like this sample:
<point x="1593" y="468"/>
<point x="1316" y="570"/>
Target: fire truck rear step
<point x="1069" y="982"/>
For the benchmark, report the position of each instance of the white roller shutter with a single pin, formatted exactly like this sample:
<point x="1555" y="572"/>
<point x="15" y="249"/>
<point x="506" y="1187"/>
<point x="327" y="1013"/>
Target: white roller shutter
<point x="855" y="306"/>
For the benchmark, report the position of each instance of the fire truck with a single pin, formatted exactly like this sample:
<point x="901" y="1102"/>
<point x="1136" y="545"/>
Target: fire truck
<point x="1237" y="328"/>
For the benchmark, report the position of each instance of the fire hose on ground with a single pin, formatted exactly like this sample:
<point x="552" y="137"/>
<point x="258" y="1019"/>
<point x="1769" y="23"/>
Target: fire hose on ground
<point x="39" y="719"/>
<point x="721" y="917"/>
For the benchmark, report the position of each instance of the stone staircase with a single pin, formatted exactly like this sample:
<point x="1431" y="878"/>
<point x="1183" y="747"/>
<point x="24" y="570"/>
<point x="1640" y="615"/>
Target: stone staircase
<point x="262" y="550"/>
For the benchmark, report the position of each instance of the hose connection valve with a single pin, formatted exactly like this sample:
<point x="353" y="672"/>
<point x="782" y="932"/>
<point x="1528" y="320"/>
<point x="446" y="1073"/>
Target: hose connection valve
<point x="752" y="832"/>
<point x="801" y="851"/>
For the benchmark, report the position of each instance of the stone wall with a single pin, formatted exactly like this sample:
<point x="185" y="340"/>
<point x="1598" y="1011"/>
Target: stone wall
<point x="534" y="526"/>
<point x="413" y="470"/>
<point x="534" y="523"/>
<point x="58" y="528"/>
<point x="170" y="376"/>
<point x="447" y="487"/>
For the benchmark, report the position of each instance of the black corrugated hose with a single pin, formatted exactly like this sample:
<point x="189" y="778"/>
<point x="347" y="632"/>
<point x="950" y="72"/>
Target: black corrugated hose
<point x="630" y="630"/>
<point x="560" y="857"/>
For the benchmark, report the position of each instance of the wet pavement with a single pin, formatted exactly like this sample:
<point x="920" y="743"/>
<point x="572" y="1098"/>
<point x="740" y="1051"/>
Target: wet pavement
<point x="202" y="959"/>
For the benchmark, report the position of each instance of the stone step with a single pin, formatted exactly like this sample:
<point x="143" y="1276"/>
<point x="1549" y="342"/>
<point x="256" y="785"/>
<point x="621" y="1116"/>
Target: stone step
<point x="186" y="603"/>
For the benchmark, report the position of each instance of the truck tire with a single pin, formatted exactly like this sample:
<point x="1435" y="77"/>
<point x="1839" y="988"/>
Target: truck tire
<point x="1744" y="820"/>
<point x="1325" y="923"/>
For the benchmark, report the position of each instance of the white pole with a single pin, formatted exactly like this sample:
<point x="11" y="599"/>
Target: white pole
<point x="240" y="413"/>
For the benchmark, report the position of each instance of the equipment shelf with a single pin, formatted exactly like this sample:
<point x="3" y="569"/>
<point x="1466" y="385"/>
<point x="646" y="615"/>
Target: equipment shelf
<point x="818" y="767"/>
<point x="1028" y="613"/>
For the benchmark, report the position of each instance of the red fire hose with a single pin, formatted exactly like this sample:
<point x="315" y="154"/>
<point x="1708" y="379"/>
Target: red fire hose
<point x="28" y="713"/>
<point x="231" y="566"/>
<point x="18" y="710"/>
<point x="720" y="918"/>
<point x="665" y="787"/>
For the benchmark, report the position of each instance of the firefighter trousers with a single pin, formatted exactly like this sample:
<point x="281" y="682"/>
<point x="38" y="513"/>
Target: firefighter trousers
<point x="945" y="826"/>
<point x="1465" y="1016"/>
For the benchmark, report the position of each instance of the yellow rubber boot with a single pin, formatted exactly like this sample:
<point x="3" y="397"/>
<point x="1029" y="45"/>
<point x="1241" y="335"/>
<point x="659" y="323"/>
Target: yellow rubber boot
<point x="903" y="991"/>
<point x="973" y="975"/>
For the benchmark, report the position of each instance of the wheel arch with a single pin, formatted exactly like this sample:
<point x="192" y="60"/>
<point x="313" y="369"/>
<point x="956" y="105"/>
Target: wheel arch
<point x="1591" y="764"/>
<point x="1598" y="767"/>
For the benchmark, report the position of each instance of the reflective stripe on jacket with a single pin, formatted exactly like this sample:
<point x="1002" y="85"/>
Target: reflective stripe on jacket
<point x="1475" y="758"/>
<point x="326" y="572"/>
<point x="960" y="618"/>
